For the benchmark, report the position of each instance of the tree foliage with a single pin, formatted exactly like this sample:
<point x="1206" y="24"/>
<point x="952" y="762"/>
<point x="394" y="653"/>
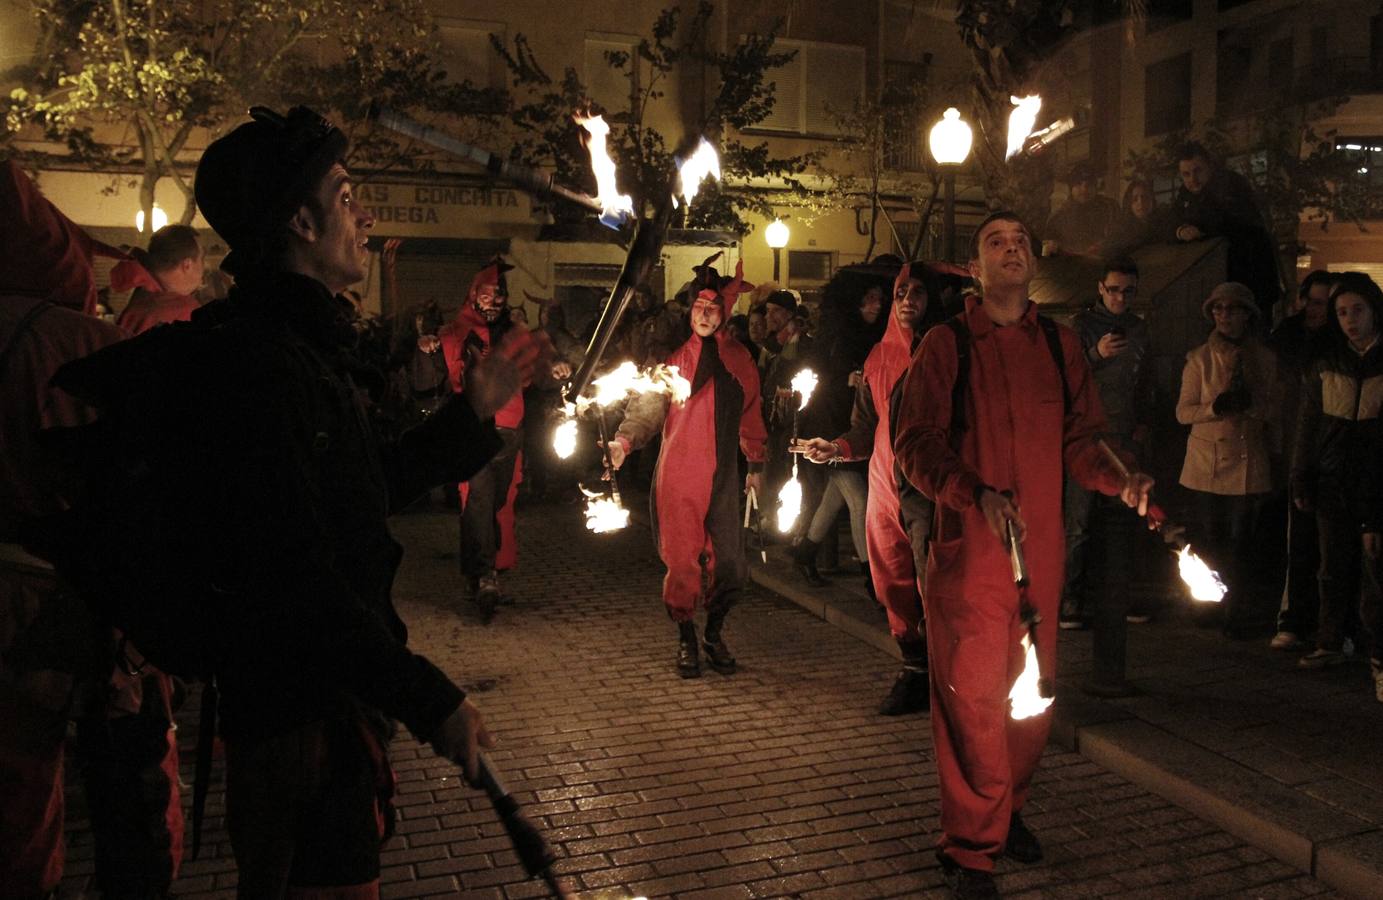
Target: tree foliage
<point x="127" y="84"/>
<point x="740" y="96"/>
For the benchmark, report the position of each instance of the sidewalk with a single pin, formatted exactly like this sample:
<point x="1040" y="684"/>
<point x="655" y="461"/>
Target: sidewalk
<point x="1289" y="761"/>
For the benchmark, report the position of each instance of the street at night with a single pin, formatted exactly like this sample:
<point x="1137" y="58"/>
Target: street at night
<point x="780" y="780"/>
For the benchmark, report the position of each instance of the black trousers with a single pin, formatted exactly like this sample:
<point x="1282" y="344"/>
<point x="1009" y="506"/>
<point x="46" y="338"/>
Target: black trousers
<point x="486" y="492"/>
<point x="1228" y="525"/>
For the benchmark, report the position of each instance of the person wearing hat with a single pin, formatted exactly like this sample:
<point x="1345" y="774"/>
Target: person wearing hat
<point x="164" y="279"/>
<point x="1335" y="472"/>
<point x="897" y="517"/>
<point x="1085" y="221"/>
<point x="488" y="546"/>
<point x="263" y="454"/>
<point x="697" y="485"/>
<point x="1229" y="397"/>
<point x="988" y="444"/>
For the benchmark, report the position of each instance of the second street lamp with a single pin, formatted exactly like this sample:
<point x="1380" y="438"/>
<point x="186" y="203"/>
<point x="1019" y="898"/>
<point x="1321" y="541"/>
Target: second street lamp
<point x="950" y="144"/>
<point x="776" y="235"/>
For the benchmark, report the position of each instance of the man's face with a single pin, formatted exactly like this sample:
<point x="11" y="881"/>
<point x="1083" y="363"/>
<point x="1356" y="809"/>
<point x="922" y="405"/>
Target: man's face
<point x="1117" y="289"/>
<point x="1080" y="191"/>
<point x="1356" y="319"/>
<point x="186" y="277"/>
<point x="338" y="252"/>
<point x="1231" y="318"/>
<point x="1005" y="256"/>
<point x="1195" y="173"/>
<point x="909" y="303"/>
<point x="705" y="316"/>
<point x="776" y="318"/>
<point x="758" y="327"/>
<point x="1317" y="307"/>
<point x="489" y="302"/>
<point x="1140" y="202"/>
<point x="871" y="304"/>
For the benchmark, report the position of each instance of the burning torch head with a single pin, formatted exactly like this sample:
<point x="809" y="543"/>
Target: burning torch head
<point x="252" y="181"/>
<point x="489" y="291"/>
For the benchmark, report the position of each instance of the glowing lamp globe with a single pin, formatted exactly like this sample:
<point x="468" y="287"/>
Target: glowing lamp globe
<point x="950" y="139"/>
<point x="776" y="234"/>
<point x="160" y="219"/>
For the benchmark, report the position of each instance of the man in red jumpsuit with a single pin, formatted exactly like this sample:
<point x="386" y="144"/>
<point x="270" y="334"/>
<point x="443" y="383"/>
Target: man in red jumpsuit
<point x="50" y="646"/>
<point x="487" y="500"/>
<point x="164" y="278"/>
<point x="1020" y="423"/>
<point x="898" y="518"/>
<point x="696" y="487"/>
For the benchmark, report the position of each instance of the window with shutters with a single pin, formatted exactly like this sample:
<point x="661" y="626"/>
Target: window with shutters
<point x="809" y="267"/>
<point x="467" y="54"/>
<point x="821" y="80"/>
<point x="608" y="86"/>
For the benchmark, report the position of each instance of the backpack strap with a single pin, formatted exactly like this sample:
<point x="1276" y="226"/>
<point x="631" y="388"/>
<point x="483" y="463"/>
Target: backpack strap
<point x="1051" y="331"/>
<point x="962" y="334"/>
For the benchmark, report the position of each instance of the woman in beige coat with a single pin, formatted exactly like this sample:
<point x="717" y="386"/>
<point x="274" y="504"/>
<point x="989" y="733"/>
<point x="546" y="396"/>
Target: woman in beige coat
<point x="1229" y="398"/>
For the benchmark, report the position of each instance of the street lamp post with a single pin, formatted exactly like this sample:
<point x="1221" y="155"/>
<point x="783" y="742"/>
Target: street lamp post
<point x="776" y="234"/>
<point x="950" y="143"/>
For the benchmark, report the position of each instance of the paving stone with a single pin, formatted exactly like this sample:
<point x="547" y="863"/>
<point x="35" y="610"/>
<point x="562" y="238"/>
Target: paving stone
<point x="778" y="781"/>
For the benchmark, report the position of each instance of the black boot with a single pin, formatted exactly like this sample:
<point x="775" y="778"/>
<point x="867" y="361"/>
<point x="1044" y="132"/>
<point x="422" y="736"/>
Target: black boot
<point x="718" y="655"/>
<point x="804" y="557"/>
<point x="1022" y="845"/>
<point x="688" y="661"/>
<point x="911" y="691"/>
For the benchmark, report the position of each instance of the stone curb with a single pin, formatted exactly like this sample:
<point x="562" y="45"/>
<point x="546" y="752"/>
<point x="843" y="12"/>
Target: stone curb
<point x="1315" y="838"/>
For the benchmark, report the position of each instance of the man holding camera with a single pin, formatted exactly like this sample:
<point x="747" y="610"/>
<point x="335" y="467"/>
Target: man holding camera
<point x="1099" y="533"/>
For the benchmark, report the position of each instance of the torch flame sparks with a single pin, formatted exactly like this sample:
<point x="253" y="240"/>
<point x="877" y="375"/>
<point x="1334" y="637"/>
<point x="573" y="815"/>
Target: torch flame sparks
<point x="1201" y="580"/>
<point x="627" y="379"/>
<point x="1026" y="698"/>
<point x="804" y="382"/>
<point x="604" y="514"/>
<point x="789" y="503"/>
<point x="694" y="170"/>
<point x="564" y="438"/>
<point x="617" y="207"/>
<point x="1020" y="122"/>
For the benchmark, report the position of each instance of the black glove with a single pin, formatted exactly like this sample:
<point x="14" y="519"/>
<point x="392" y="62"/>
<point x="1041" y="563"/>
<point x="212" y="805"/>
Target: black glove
<point x="1231" y="402"/>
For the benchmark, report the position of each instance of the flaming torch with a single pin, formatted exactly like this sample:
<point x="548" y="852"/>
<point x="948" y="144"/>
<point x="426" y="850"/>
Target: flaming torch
<point x="616" y="208"/>
<point x="1020" y="122"/>
<point x="1031" y="694"/>
<point x="790" y="496"/>
<point x="1202" y="582"/>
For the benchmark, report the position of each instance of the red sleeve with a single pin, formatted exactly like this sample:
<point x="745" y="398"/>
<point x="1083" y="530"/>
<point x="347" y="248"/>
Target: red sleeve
<point x="453" y="352"/>
<point x="922" y="445"/>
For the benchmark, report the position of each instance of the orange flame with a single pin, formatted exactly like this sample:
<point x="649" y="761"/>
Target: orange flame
<point x="1027" y="700"/>
<point x="1201" y="580"/>
<point x="604" y="514"/>
<point x="617" y="206"/>
<point x="1020" y="122"/>
<point x="804" y="382"/>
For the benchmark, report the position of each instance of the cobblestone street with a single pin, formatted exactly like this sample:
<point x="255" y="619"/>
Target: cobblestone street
<point x="778" y="781"/>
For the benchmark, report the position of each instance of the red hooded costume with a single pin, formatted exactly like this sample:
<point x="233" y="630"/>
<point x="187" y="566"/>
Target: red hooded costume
<point x="151" y="304"/>
<point x="895" y="558"/>
<point x="1015" y="438"/>
<point x="47" y="295"/>
<point x="469" y="333"/>
<point x="696" y="487"/>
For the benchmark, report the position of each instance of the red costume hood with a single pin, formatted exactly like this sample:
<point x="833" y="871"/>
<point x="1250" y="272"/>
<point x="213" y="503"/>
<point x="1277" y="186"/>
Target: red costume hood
<point x="45" y="252"/>
<point x="129" y="274"/>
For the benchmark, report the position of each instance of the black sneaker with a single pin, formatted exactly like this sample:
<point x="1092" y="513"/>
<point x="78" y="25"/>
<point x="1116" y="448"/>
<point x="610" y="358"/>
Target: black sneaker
<point x="1022" y="844"/>
<point x="965" y="883"/>
<point x="487" y="596"/>
<point x="688" y="660"/>
<point x="910" y="693"/>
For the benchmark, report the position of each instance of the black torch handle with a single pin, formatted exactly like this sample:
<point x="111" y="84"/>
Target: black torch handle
<point x="533" y="852"/>
<point x="525" y="177"/>
<point x="643" y="256"/>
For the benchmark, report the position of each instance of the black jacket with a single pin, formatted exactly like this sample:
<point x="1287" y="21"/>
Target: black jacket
<point x="280" y="486"/>
<point x="1338" y="446"/>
